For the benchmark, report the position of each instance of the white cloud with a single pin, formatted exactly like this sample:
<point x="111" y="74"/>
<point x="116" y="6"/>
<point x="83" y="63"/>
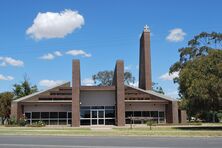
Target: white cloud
<point x="3" y="64"/>
<point x="58" y="53"/>
<point x="136" y="84"/>
<point x="168" y="76"/>
<point x="10" y="61"/>
<point x="50" y="83"/>
<point x="48" y="56"/>
<point x="6" y="78"/>
<point x="51" y="56"/>
<point x="78" y="52"/>
<point x="173" y="94"/>
<point x="55" y="25"/>
<point x="176" y="35"/>
<point x="127" y="68"/>
<point x="88" y="82"/>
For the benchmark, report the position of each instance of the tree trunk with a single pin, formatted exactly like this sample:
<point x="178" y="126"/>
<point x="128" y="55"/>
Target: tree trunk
<point x="3" y="121"/>
<point x="214" y="117"/>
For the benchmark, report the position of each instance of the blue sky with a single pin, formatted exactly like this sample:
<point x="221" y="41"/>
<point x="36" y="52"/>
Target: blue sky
<point x="98" y="33"/>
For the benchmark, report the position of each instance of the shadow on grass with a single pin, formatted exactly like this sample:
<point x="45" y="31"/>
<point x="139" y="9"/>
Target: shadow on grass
<point x="210" y="128"/>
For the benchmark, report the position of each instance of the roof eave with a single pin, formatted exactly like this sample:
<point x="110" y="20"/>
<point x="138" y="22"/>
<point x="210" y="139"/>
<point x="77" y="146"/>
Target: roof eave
<point x="39" y="92"/>
<point x="154" y="93"/>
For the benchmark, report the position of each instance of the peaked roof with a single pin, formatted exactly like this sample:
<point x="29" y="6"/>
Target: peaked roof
<point x="39" y="92"/>
<point x="153" y="93"/>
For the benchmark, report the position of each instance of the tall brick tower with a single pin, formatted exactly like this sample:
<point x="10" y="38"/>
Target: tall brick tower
<point x="145" y="81"/>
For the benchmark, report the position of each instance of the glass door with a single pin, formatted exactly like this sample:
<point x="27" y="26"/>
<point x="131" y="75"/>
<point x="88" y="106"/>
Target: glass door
<point x="97" y="117"/>
<point x="101" y="117"/>
<point x="94" y="117"/>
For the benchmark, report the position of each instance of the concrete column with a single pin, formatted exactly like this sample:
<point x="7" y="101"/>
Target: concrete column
<point x="183" y="116"/>
<point x="172" y="112"/>
<point x="76" y="93"/>
<point x="120" y="93"/>
<point x="175" y="116"/>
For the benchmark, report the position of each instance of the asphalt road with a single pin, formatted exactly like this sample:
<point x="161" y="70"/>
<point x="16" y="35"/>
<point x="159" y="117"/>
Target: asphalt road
<point x="106" y="142"/>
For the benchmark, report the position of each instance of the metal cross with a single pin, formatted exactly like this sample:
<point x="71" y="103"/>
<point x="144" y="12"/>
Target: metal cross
<point x="146" y="28"/>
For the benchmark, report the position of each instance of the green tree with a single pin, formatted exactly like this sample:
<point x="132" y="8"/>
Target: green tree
<point x="24" y="88"/>
<point x="199" y="46"/>
<point x="200" y="73"/>
<point x="5" y="105"/>
<point x="201" y="83"/>
<point x="157" y="88"/>
<point x="105" y="78"/>
<point x="129" y="78"/>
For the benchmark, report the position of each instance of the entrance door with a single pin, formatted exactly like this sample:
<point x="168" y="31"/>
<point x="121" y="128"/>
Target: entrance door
<point x="97" y="117"/>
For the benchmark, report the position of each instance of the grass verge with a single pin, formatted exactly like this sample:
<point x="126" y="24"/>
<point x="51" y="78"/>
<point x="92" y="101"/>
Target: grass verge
<point x="157" y="131"/>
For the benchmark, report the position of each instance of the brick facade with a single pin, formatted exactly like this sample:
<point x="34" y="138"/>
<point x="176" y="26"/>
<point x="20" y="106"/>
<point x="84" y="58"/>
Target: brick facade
<point x="16" y="110"/>
<point x="76" y="93"/>
<point x="120" y="93"/>
<point x="145" y="81"/>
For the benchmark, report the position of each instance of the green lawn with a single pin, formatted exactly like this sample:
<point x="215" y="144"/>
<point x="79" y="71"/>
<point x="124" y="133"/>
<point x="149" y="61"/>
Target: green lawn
<point x="173" y="131"/>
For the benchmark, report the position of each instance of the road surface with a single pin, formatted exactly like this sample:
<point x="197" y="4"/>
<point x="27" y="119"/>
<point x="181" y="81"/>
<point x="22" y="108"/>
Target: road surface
<point x="106" y="142"/>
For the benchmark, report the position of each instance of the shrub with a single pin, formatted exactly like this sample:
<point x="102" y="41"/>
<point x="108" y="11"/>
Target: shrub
<point x="37" y="124"/>
<point x="150" y="123"/>
<point x="12" y="121"/>
<point x="22" y="121"/>
<point x="219" y="116"/>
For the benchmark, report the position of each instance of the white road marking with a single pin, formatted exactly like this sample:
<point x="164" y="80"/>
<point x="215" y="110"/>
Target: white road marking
<point x="65" y="146"/>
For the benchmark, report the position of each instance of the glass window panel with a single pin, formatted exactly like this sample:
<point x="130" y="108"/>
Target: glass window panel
<point x="110" y="121"/>
<point x="128" y="121"/>
<point x="137" y="114"/>
<point x="161" y="119"/>
<point x="154" y="113"/>
<point x="69" y="121"/>
<point x="85" y="122"/>
<point x="137" y="121"/>
<point x="85" y="114"/>
<point x="109" y="107"/>
<point x="28" y="115"/>
<point x="53" y="122"/>
<point x="101" y="121"/>
<point x="62" y="122"/>
<point x="62" y="114"/>
<point x="35" y="115"/>
<point x="84" y="107"/>
<point x="146" y="114"/>
<point x="97" y="107"/>
<point x="44" y="115"/>
<point x="94" y="121"/>
<point x="94" y="114"/>
<point x="129" y="114"/>
<point x="161" y="114"/>
<point x="110" y="113"/>
<point x="69" y="114"/>
<point x="101" y="114"/>
<point x="53" y="114"/>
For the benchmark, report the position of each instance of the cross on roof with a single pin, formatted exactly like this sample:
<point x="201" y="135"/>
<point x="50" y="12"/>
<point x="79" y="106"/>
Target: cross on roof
<point x="146" y="28"/>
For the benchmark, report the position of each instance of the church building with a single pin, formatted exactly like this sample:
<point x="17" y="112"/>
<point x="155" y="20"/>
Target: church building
<point x="119" y="104"/>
